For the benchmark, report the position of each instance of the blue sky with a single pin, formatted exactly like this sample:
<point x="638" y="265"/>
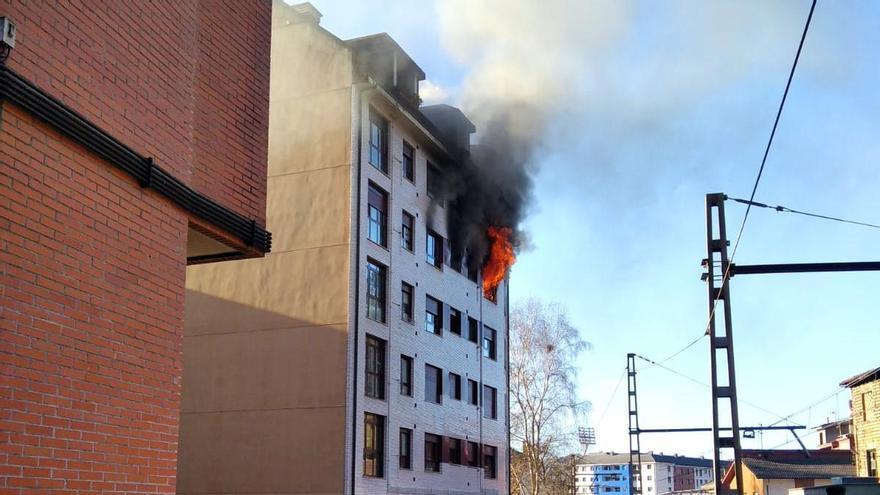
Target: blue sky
<point x="655" y="105"/>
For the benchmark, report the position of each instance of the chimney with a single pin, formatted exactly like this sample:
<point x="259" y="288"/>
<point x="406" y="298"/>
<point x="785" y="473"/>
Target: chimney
<point x="306" y="12"/>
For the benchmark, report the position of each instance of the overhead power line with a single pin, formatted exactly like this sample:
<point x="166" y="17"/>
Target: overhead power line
<point x="785" y="209"/>
<point x="764" y="159"/>
<point x="613" y="395"/>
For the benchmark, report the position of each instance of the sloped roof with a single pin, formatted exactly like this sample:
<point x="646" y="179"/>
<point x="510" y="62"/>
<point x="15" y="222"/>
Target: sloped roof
<point x="867" y="376"/>
<point x="794" y="464"/>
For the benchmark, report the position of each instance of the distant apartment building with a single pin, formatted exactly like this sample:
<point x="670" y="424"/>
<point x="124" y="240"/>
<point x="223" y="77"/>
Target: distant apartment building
<point x="603" y="473"/>
<point x="835" y="435"/>
<point x="133" y="142"/>
<point x="865" y="407"/>
<point x="361" y="356"/>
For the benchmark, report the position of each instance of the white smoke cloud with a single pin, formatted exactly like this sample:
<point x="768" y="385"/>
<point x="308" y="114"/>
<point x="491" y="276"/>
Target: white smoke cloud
<point x="432" y="93"/>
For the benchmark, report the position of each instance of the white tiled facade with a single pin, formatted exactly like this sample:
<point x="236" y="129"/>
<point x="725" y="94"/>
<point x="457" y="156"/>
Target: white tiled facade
<point x="449" y="352"/>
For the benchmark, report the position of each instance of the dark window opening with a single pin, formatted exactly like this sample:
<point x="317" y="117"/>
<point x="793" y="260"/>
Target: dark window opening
<point x="378" y="141"/>
<point x="455" y="321"/>
<point x="432" y="453"/>
<point x="375" y="291"/>
<point x="405" y="456"/>
<point x="406" y="231"/>
<point x="473" y="330"/>
<point x="489" y="343"/>
<point x="433" y="315"/>
<point x="406" y="302"/>
<point x="490" y="455"/>
<point x="474" y="395"/>
<point x="406" y="375"/>
<point x="433" y="181"/>
<point x="454" y="451"/>
<point x="375" y="372"/>
<point x="433" y="384"/>
<point x="434" y="249"/>
<point x="409" y="161"/>
<point x="454" y="386"/>
<point x="490" y="405"/>
<point x="473" y="454"/>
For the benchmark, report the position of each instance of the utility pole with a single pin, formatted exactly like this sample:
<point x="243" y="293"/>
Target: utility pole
<point x="724" y="402"/>
<point x="635" y="452"/>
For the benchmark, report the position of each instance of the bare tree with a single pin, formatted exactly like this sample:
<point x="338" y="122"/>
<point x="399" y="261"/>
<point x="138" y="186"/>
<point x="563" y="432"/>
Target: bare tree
<point x="543" y="348"/>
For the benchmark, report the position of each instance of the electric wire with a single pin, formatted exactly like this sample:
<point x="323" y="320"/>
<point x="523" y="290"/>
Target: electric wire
<point x="613" y="395"/>
<point x="785" y="209"/>
<point x="763" y="163"/>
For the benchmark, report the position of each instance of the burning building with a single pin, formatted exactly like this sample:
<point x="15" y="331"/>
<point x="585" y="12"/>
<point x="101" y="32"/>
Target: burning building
<point x="368" y="352"/>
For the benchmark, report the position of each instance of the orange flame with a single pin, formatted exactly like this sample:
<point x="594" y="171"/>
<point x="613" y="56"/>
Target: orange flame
<point x="501" y="257"/>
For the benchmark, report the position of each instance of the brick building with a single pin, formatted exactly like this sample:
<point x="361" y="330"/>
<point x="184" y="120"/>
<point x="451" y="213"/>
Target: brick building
<point x="133" y="141"/>
<point x="865" y="405"/>
<point x="361" y="355"/>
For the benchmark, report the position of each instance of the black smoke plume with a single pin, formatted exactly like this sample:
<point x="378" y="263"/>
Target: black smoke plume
<point x="492" y="186"/>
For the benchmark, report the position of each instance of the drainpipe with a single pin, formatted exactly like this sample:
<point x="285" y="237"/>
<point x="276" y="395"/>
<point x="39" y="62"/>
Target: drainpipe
<point x="358" y="95"/>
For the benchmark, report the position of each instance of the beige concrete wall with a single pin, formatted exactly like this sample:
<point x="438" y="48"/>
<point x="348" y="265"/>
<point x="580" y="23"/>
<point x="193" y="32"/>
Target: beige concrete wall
<point x="265" y="348"/>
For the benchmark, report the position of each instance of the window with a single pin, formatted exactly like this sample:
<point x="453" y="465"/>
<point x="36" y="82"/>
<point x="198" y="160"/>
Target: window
<point x="473" y="272"/>
<point x="867" y="406"/>
<point x="434" y="249"/>
<point x="406" y="231"/>
<point x="433" y="181"/>
<point x="454" y="386"/>
<point x="454" y="451"/>
<point x="473" y="329"/>
<point x="377" y="215"/>
<point x="455" y="321"/>
<point x="432" y="453"/>
<point x="871" y="462"/>
<point x="375" y="291"/>
<point x="490" y="455"/>
<point x="409" y="161"/>
<point x="473" y="454"/>
<point x="433" y="384"/>
<point x="406" y="302"/>
<point x="490" y="408"/>
<point x="650" y="477"/>
<point x="374" y="445"/>
<point x="405" y="457"/>
<point x="488" y="342"/>
<point x="375" y="382"/>
<point x="378" y="141"/>
<point x="474" y="394"/>
<point x="406" y="375"/>
<point x="433" y="315"/>
<point x="454" y="259"/>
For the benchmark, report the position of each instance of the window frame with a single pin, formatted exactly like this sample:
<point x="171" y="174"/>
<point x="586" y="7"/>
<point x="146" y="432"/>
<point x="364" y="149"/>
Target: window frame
<point x="454" y="453"/>
<point x="377" y="218"/>
<point x="473" y="459"/>
<point x="436" y="443"/>
<point x="404" y="461"/>
<point x="455" y="321"/>
<point x="489" y="344"/>
<point x="406" y="375"/>
<point x="378" y="121"/>
<point x="407" y="231"/>
<point x="490" y="411"/>
<point x="436" y="326"/>
<point x="374" y="268"/>
<point x="432" y="173"/>
<point x="473" y="330"/>
<point x="407" y="301"/>
<point x="434" y="257"/>
<point x="490" y="462"/>
<point x="454" y="380"/>
<point x="374" y="379"/>
<point x="473" y="392"/>
<point x="378" y="450"/>
<point x="437" y="394"/>
<point x="408" y="172"/>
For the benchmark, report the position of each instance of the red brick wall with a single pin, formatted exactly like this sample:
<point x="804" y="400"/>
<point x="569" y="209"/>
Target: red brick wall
<point x="92" y="267"/>
<point x="91" y="314"/>
<point x="186" y="82"/>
